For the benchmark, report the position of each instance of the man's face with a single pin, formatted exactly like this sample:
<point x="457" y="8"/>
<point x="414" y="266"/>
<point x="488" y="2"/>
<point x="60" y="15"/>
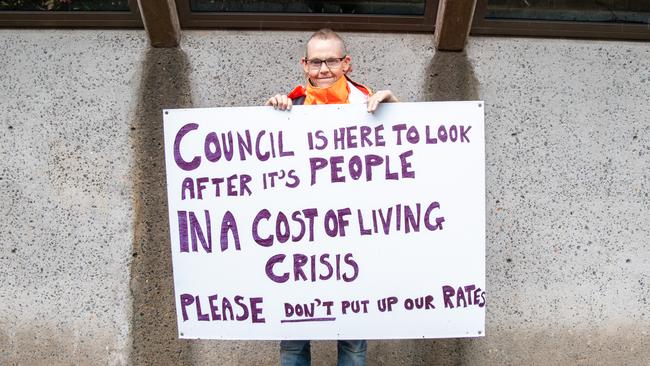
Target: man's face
<point x="325" y="49"/>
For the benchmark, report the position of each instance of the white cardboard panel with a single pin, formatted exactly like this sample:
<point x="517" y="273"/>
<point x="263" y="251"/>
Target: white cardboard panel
<point x="351" y="266"/>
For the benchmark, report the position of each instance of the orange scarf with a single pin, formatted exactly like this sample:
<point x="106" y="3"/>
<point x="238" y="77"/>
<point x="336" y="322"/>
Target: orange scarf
<point x="336" y="93"/>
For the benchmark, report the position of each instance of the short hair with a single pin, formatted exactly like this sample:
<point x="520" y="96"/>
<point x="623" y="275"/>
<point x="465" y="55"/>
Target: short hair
<point x="326" y="33"/>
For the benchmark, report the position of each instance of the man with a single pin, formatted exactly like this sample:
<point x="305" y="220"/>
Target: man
<point x="326" y="65"/>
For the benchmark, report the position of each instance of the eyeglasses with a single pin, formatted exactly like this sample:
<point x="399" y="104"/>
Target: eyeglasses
<point x="331" y="63"/>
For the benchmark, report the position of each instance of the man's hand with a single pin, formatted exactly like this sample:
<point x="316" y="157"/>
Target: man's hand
<point x="385" y="96"/>
<point x="280" y="101"/>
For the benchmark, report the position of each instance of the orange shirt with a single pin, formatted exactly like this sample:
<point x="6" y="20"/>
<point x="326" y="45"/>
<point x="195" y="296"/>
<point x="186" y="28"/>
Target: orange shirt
<point x="337" y="93"/>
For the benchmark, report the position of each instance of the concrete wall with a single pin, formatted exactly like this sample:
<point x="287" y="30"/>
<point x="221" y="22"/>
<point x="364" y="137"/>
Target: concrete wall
<point x="85" y="268"/>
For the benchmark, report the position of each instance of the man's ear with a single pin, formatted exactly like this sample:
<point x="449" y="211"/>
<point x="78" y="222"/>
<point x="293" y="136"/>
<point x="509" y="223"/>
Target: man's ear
<point x="347" y="65"/>
<point x="303" y="63"/>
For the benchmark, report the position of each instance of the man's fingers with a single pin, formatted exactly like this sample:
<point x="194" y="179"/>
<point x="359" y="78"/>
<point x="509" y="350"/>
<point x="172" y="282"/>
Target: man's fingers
<point x="279" y="101"/>
<point x="373" y="102"/>
<point x="372" y="106"/>
<point x="283" y="102"/>
<point x="273" y="101"/>
<point x="386" y="96"/>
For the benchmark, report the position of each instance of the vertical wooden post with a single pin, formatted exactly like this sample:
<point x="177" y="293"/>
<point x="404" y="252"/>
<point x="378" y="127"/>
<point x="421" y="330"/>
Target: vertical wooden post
<point x="453" y="23"/>
<point x="160" y="19"/>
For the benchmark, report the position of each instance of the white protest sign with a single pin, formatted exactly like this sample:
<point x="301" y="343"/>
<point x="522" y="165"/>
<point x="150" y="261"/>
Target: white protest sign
<point x="327" y="222"/>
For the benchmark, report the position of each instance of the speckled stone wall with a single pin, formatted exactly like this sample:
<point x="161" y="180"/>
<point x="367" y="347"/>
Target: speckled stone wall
<point x="85" y="268"/>
<point x="66" y="193"/>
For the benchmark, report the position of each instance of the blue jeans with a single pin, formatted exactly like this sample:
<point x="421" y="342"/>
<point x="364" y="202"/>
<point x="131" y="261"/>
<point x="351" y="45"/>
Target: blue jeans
<point x="297" y="353"/>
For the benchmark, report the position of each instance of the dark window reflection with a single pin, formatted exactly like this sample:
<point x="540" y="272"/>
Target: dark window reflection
<point x="614" y="11"/>
<point x="396" y="7"/>
<point x="64" y="5"/>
